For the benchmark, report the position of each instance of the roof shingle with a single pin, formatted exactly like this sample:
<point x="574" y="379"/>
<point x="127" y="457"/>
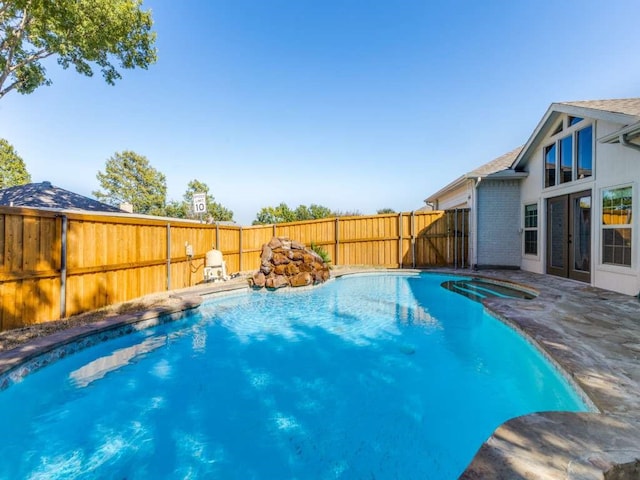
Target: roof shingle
<point x="628" y="106"/>
<point x="496" y="165"/>
<point x="45" y="195"/>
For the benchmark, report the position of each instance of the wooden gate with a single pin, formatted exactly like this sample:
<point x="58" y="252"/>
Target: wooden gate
<point x="444" y="242"/>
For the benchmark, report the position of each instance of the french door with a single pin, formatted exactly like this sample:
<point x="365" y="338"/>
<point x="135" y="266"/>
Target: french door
<point x="569" y="236"/>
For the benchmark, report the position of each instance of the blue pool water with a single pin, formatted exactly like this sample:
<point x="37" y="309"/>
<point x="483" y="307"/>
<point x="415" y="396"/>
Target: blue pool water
<point x="384" y="377"/>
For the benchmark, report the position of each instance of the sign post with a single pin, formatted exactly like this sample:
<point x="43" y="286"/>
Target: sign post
<point x="200" y="204"/>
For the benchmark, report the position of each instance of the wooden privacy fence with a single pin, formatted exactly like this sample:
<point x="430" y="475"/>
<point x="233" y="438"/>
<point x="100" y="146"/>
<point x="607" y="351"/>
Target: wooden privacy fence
<point x="53" y="265"/>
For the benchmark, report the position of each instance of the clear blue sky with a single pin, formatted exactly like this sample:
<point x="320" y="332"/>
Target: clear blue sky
<point x="351" y="104"/>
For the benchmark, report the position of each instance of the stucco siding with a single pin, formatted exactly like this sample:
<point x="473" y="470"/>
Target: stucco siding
<point x="498" y="210"/>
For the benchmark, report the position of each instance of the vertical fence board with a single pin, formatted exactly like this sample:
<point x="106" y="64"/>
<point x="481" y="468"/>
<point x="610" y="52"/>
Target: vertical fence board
<point x="30" y="243"/>
<point x="47" y="244"/>
<point x="2" y="243"/>
<point x="14" y="243"/>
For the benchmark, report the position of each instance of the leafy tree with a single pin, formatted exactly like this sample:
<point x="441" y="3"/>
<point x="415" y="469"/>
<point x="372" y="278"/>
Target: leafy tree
<point x="385" y="210"/>
<point x="80" y="33"/>
<point x="215" y="211"/>
<point x="318" y="211"/>
<point x="128" y="177"/>
<point x="13" y="171"/>
<point x="282" y="214"/>
<point x="312" y="212"/>
<point x="175" y="209"/>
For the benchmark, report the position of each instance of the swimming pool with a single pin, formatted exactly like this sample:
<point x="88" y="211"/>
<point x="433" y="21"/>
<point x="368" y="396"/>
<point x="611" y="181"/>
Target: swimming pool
<point x="383" y="376"/>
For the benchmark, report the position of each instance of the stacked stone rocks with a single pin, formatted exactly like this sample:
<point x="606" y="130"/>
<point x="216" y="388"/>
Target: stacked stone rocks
<point x="285" y="262"/>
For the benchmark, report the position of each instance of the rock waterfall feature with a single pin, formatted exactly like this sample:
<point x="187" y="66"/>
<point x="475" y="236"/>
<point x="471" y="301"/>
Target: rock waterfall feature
<point x="285" y="262"/>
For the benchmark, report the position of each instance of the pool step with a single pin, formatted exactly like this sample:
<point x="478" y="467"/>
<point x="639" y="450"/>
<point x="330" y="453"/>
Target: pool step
<point x="477" y="289"/>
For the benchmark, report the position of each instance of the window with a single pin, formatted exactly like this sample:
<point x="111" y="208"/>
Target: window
<point x="585" y="151"/>
<point x="531" y="229"/>
<point x="566" y="159"/>
<point x="569" y="158"/>
<point x="550" y="165"/>
<point x="574" y="120"/>
<point x="617" y="209"/>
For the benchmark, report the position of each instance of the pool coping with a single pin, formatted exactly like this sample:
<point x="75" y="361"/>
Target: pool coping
<point x="562" y="322"/>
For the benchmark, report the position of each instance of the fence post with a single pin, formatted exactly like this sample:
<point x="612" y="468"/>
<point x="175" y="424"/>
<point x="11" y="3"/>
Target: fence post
<point x="337" y="240"/>
<point x="63" y="266"/>
<point x="448" y="215"/>
<point x="275" y="231"/>
<point x="240" y="260"/>
<point x="413" y="239"/>
<point x="217" y="235"/>
<point x="168" y="256"/>
<point x="400" y="239"/>
<point x="464" y="243"/>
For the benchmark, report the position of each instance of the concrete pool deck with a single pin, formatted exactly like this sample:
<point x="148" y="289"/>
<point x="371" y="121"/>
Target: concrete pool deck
<point x="592" y="334"/>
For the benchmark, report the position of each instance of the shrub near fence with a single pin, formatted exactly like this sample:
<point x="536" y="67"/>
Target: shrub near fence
<point x="53" y="264"/>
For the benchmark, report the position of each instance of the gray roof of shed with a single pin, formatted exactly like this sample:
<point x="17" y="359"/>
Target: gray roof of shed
<point x="45" y="195"/>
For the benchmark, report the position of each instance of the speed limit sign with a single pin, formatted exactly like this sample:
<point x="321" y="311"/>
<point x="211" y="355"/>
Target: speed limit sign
<point x="199" y="203"/>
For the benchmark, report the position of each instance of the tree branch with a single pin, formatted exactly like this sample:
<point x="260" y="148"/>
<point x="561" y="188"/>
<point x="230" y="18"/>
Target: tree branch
<point x="39" y="55"/>
<point x="9" y="88"/>
<point x="5" y="6"/>
<point x="8" y="69"/>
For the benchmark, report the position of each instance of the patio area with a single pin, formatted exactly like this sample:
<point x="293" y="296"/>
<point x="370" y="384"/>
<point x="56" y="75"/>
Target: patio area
<point x="594" y="336"/>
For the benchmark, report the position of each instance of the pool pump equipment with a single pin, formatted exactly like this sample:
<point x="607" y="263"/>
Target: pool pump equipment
<point x="215" y="268"/>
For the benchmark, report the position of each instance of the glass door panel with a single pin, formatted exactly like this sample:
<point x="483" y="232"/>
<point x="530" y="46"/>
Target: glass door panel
<point x="580" y="236"/>
<point x="557" y="236"/>
<point x="569" y="236"/>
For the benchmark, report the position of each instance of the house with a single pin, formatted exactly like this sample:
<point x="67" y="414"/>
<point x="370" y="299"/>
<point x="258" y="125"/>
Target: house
<point x="45" y="195"/>
<point x="480" y="190"/>
<point x="577" y="180"/>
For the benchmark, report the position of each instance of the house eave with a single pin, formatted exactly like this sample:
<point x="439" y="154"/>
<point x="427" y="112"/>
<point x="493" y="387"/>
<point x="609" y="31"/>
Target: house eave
<point x="507" y="174"/>
<point x="630" y="131"/>
<point x="458" y="182"/>
<point x="553" y="112"/>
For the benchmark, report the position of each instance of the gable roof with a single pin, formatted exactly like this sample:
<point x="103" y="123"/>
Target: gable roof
<point x="495" y="166"/>
<point x="627" y="106"/>
<point x="623" y="111"/>
<point x="45" y="195"/>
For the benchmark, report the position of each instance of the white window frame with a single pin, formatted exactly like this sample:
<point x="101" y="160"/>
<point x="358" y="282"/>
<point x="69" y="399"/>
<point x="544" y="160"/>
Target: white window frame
<point x="556" y="140"/>
<point x="531" y="229"/>
<point x="629" y="226"/>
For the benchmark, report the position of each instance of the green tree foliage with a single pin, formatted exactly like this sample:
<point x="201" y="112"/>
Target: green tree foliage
<point x="184" y="209"/>
<point x="129" y="177"/>
<point x="175" y="209"/>
<point x="80" y="33"/>
<point x="385" y="210"/>
<point x="280" y="214"/>
<point x="13" y="171"/>
<point x="283" y="214"/>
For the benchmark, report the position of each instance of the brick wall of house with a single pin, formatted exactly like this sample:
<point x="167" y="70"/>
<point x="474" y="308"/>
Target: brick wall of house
<point x="498" y="224"/>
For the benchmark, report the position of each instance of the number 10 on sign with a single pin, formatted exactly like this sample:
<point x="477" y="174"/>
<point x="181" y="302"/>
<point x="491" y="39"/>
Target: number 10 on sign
<point x="199" y="203"/>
